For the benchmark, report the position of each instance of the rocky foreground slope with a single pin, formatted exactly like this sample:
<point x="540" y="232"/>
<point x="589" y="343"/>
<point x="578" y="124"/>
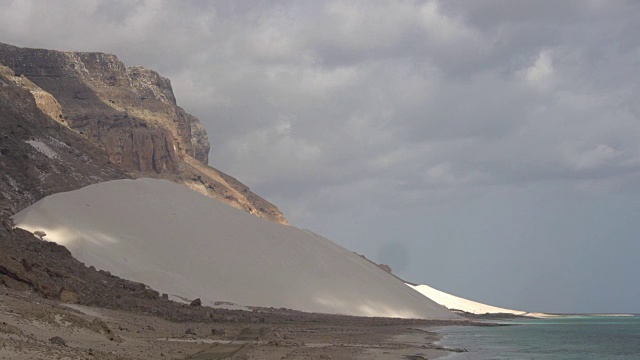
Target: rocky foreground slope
<point x="121" y="320"/>
<point x="68" y="119"/>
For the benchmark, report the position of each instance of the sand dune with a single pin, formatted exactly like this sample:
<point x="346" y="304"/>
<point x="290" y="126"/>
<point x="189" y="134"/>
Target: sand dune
<point x="455" y="302"/>
<point x="185" y="244"/>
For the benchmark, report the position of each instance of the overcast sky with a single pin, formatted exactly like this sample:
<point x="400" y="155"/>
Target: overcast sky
<point x="490" y="149"/>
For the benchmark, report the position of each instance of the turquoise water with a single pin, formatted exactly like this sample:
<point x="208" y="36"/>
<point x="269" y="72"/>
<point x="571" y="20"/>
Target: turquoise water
<point x="558" y="338"/>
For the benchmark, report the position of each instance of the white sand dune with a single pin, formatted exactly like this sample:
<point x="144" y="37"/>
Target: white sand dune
<point x="455" y="302"/>
<point x="182" y="243"/>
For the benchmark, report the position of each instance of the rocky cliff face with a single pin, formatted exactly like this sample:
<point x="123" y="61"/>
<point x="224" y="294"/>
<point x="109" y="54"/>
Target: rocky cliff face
<point x="38" y="155"/>
<point x="130" y="113"/>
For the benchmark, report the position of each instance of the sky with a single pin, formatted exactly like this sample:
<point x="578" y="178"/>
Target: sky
<point x="486" y="148"/>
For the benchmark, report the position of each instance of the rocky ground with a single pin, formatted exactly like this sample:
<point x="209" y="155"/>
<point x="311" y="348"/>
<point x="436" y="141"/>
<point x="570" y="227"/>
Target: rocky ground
<point x="54" y="307"/>
<point x="36" y="328"/>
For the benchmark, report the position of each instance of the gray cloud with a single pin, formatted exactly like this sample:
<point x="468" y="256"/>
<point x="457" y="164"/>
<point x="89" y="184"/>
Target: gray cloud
<point x="495" y="141"/>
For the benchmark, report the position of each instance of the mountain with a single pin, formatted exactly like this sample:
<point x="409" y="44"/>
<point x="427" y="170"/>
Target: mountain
<point x="183" y="244"/>
<point x="77" y="129"/>
<point x="39" y="156"/>
<point x="124" y="120"/>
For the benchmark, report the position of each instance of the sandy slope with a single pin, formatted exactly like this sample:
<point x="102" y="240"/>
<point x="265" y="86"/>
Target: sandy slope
<point x="182" y="243"/>
<point x="458" y="303"/>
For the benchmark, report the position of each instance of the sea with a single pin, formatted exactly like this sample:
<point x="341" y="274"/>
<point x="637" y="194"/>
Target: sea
<point x="575" y="337"/>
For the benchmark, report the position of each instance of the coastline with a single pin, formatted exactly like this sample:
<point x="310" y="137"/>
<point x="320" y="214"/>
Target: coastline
<point x="33" y="327"/>
<point x="566" y="337"/>
<point x="414" y="344"/>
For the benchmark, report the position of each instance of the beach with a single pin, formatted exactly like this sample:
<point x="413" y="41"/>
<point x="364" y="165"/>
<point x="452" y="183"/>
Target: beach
<point x="36" y="328"/>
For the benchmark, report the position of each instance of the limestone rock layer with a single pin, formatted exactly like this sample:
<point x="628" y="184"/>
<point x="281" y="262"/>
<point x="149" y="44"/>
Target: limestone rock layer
<point x="131" y="114"/>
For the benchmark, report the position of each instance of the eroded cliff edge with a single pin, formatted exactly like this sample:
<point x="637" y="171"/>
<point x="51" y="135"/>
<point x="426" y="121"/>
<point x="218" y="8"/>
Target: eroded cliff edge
<point x="128" y="113"/>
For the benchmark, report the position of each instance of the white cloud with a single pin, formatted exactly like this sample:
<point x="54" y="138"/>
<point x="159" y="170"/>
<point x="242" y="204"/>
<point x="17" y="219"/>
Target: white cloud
<point x="540" y="75"/>
<point x="602" y="154"/>
<point x="440" y="173"/>
<point x="364" y="24"/>
<point x="399" y="157"/>
<point x="272" y="44"/>
<point x="440" y="27"/>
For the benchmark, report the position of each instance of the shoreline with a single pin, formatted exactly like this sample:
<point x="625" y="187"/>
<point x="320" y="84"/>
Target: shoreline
<point x="416" y="344"/>
<point x="568" y="337"/>
<point x="33" y="327"/>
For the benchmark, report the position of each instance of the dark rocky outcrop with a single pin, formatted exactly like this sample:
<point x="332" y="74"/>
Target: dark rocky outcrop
<point x="57" y="340"/>
<point x="199" y="140"/>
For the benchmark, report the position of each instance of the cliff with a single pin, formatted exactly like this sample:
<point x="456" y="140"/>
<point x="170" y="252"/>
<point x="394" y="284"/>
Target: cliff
<point x="131" y="115"/>
<point x="130" y="112"/>
<point x="39" y="156"/>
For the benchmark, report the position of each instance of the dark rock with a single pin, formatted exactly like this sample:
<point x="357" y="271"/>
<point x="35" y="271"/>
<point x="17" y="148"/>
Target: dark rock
<point x="25" y="264"/>
<point x="196" y="302"/>
<point x="57" y="340"/>
<point x="190" y="331"/>
<point x="385" y="267"/>
<point x="8" y="222"/>
<point x="13" y="284"/>
<point x="218" y="303"/>
<point x="199" y="140"/>
<point x="127" y="302"/>
<point x="114" y="338"/>
<point x="70" y="297"/>
<point x="150" y="294"/>
<point x="217" y="332"/>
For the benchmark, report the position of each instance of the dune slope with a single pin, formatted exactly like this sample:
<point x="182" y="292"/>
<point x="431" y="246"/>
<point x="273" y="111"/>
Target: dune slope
<point x="457" y="303"/>
<point x="182" y="243"/>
